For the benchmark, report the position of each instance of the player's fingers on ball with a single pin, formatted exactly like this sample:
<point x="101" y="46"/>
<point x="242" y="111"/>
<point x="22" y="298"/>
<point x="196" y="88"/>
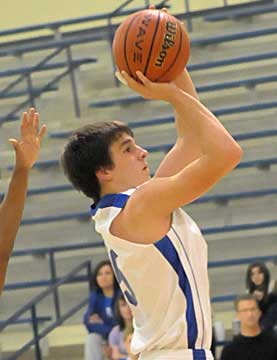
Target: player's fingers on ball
<point x="143" y="78"/>
<point x="128" y="78"/>
<point x="136" y="85"/>
<point x="165" y="10"/>
<point x="120" y="78"/>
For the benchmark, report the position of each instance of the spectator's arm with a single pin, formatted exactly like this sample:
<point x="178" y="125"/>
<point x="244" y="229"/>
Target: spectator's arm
<point x="116" y="354"/>
<point x="99" y="328"/>
<point x="114" y="340"/>
<point x="91" y="309"/>
<point x="102" y="329"/>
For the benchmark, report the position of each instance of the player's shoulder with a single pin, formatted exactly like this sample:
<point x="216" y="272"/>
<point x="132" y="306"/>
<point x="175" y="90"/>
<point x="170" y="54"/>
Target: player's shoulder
<point x="147" y="192"/>
<point x="138" y="222"/>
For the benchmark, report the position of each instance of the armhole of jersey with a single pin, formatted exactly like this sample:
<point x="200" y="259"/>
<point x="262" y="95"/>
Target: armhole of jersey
<point x="116" y="241"/>
<point x="128" y="245"/>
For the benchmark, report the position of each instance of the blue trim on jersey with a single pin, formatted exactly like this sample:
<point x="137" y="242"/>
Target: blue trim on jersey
<point x="199" y="354"/>
<point x="195" y="283"/>
<point x="115" y="200"/>
<point x="168" y="250"/>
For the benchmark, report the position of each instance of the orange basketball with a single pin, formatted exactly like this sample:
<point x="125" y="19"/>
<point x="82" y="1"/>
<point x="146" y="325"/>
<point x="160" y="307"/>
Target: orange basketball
<point x="153" y="42"/>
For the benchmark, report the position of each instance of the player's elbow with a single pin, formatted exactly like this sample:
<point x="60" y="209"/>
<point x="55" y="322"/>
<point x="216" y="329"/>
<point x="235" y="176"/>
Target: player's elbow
<point x="233" y="155"/>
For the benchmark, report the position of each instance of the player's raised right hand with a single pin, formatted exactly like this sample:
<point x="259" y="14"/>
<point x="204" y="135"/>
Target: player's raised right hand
<point x="150" y="90"/>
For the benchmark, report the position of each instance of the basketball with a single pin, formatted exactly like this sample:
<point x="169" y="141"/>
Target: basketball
<point x="152" y="42"/>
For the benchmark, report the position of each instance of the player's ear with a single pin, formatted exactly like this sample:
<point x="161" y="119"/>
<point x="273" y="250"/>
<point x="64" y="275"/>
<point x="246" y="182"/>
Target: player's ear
<point x="104" y="174"/>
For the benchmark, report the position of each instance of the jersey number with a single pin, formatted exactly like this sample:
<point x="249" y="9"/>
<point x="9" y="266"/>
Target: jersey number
<point x="129" y="293"/>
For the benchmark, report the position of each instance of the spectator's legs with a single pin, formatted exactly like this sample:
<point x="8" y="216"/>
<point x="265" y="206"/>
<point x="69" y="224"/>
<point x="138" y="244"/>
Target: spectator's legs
<point x="93" y="347"/>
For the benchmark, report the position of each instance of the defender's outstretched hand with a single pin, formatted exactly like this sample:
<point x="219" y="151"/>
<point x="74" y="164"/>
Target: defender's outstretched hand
<point x="28" y="146"/>
<point x="11" y="209"/>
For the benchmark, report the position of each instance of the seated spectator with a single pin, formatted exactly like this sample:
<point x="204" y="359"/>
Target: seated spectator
<point x="99" y="318"/>
<point x="252" y="343"/>
<point x="269" y="320"/>
<point x="116" y="337"/>
<point x="258" y="284"/>
<point x="128" y="334"/>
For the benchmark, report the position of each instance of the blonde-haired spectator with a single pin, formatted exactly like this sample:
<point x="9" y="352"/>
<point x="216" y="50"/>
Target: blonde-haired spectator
<point x="117" y="335"/>
<point x="128" y="334"/>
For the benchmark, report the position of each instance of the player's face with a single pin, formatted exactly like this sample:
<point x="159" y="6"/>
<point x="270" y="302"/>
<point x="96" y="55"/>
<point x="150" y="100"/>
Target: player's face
<point x="130" y="163"/>
<point x="257" y="276"/>
<point x="105" y="277"/>
<point x="248" y="313"/>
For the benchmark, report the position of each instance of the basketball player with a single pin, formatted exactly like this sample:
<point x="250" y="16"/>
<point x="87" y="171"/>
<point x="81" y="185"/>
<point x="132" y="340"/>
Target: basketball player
<point x="158" y="253"/>
<point x="11" y="209"/>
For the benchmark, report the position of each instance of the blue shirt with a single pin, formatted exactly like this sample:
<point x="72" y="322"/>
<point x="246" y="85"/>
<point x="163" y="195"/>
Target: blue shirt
<point x="98" y="304"/>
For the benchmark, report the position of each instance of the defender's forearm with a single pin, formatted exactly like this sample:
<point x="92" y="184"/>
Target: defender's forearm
<point x="11" y="211"/>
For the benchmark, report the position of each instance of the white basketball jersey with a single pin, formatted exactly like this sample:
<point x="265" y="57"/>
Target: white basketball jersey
<point x="165" y="283"/>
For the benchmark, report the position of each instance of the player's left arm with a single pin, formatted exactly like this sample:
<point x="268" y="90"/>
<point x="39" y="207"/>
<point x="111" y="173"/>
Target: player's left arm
<point x="187" y="147"/>
<point x="11" y="209"/>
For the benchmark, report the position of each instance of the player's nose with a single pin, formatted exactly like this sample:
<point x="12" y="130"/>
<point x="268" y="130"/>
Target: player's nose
<point x="143" y="153"/>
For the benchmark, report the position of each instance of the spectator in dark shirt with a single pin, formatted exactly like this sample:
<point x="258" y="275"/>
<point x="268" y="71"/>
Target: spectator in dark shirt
<point x="99" y="318"/>
<point x="252" y="343"/>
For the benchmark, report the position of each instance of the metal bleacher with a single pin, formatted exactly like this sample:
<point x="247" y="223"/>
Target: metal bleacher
<point x="239" y="13"/>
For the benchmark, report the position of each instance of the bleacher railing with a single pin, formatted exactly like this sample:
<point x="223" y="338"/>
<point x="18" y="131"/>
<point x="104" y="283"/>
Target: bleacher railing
<point x="33" y="94"/>
<point x="55" y="26"/>
<point x="14" y="48"/>
<point x="31" y="307"/>
<point x="59" y="44"/>
<point x="51" y="252"/>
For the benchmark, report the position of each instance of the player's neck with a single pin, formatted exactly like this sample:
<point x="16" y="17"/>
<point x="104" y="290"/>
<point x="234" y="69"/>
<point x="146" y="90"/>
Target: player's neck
<point x="113" y="189"/>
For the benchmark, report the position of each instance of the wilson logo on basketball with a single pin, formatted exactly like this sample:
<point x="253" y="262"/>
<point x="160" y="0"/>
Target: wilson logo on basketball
<point x="169" y="41"/>
<point x="140" y="38"/>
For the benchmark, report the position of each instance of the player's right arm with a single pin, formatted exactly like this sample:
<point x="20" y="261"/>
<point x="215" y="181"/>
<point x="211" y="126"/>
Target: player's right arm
<point x="187" y="147"/>
<point x="154" y="201"/>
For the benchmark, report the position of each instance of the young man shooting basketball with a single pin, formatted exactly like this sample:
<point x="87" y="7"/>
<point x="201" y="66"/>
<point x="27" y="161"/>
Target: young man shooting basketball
<point x="11" y="209"/>
<point x="157" y="251"/>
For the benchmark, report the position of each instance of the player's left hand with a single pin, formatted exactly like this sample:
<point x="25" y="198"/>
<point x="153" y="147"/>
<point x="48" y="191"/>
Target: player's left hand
<point x="28" y="146"/>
